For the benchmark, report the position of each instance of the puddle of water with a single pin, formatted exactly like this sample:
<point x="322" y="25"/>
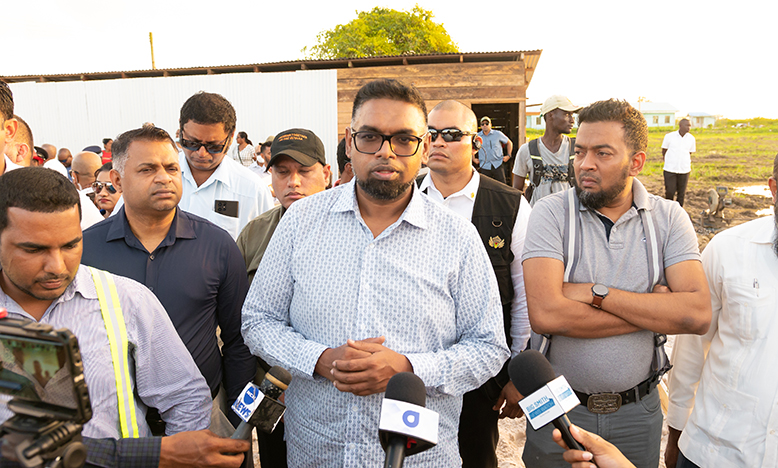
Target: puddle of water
<point x="763" y="190"/>
<point x="765" y="212"/>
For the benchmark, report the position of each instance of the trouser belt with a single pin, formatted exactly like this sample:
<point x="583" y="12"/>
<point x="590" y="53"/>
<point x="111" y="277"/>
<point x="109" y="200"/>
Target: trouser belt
<point x="606" y="403"/>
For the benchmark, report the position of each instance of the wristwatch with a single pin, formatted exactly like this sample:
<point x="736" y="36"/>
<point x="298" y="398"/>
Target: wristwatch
<point x="599" y="291"/>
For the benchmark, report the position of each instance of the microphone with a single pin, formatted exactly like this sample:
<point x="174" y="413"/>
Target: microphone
<point x="550" y="397"/>
<point x="258" y="406"/>
<point x="406" y="427"/>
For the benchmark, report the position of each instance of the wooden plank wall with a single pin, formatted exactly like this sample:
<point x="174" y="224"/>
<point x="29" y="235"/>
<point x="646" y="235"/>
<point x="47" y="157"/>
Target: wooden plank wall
<point x="487" y="82"/>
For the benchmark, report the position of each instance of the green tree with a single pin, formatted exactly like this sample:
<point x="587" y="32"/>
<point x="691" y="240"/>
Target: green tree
<point x="383" y="31"/>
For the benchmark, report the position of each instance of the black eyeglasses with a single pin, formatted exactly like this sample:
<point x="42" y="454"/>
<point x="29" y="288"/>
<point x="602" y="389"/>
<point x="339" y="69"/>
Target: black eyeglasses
<point x="401" y="144"/>
<point x="211" y="148"/>
<point x="98" y="187"/>
<point x="448" y="134"/>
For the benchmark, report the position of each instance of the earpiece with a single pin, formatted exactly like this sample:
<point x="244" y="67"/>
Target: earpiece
<point x="476" y="142"/>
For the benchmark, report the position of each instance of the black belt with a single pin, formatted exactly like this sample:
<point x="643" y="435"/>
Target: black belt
<point x="605" y="403"/>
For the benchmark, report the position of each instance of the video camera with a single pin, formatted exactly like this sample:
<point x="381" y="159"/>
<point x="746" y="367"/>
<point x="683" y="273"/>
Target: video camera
<point x="42" y="382"/>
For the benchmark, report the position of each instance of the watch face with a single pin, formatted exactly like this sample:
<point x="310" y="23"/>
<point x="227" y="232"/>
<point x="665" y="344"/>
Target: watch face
<point x="600" y="290"/>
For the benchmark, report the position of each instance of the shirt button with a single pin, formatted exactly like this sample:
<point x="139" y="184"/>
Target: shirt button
<point x="151" y="256"/>
<point x="151" y="288"/>
<point x="351" y="446"/>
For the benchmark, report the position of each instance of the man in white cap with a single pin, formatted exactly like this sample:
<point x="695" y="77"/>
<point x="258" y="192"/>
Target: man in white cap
<point x="545" y="160"/>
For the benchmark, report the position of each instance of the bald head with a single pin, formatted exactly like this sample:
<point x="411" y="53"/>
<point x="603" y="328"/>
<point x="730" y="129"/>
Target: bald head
<point x="83" y="168"/>
<point x="65" y="157"/>
<point x="51" y="150"/>
<point x="467" y="118"/>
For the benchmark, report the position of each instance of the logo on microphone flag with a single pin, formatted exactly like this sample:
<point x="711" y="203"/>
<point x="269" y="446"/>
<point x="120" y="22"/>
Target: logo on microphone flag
<point x="549" y="402"/>
<point x="248" y="401"/>
<point x="410" y="420"/>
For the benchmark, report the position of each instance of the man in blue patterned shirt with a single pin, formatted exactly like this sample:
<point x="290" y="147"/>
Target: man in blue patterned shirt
<point x="412" y="290"/>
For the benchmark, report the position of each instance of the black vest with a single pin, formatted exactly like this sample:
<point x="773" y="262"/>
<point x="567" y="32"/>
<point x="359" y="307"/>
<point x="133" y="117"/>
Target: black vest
<point x="494" y="215"/>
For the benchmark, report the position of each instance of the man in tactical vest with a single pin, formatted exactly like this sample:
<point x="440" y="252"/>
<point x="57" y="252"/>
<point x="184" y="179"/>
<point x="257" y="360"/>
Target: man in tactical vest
<point x="547" y="160"/>
<point x="500" y="215"/>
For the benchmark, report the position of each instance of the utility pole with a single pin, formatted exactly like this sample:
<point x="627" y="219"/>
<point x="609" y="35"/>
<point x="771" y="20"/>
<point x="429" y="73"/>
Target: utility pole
<point x="151" y="42"/>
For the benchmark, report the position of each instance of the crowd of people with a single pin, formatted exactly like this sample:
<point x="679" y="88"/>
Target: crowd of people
<point x="187" y="266"/>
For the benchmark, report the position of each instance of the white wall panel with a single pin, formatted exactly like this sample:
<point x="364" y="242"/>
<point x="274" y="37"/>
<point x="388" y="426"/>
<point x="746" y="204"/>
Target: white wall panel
<point x="78" y="114"/>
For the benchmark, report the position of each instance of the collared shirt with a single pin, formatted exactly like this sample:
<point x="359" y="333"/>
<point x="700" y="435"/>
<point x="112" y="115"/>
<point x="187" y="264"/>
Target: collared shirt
<point x="55" y="165"/>
<point x="678" y="158"/>
<point x="197" y="273"/>
<point x="613" y="363"/>
<point x="490" y="155"/>
<point x="462" y="203"/>
<point x="734" y="416"/>
<point x="229" y="182"/>
<point x="165" y="377"/>
<point x="253" y="239"/>
<point x="425" y="283"/>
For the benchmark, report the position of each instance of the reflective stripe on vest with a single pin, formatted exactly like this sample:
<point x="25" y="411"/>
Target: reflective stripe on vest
<point x="117" y="337"/>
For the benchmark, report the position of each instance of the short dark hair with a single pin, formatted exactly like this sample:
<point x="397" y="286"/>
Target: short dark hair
<point x="105" y="167"/>
<point x="24" y="133"/>
<point x="208" y="108"/>
<point x="775" y="167"/>
<point x="36" y="189"/>
<point x="614" y="110"/>
<point x="342" y="156"/>
<point x="265" y="145"/>
<point x="6" y="101"/>
<point x="122" y="143"/>
<point x="106" y="140"/>
<point x="386" y="88"/>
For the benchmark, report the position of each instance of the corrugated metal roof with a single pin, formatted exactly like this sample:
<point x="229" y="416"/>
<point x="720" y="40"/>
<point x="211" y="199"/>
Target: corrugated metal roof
<point x="530" y="58"/>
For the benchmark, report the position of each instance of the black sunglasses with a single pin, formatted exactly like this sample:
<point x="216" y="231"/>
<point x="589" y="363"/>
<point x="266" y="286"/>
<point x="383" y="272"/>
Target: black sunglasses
<point x="98" y="187"/>
<point x="211" y="148"/>
<point x="448" y="134"/>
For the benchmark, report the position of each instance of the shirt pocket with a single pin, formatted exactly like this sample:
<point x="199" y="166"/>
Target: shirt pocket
<point x="749" y="309"/>
<point x="228" y="223"/>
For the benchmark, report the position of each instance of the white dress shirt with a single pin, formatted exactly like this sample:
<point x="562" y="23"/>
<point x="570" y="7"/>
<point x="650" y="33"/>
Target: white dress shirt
<point x="462" y="203"/>
<point x="678" y="158"/>
<point x="734" y="415"/>
<point x="232" y="182"/>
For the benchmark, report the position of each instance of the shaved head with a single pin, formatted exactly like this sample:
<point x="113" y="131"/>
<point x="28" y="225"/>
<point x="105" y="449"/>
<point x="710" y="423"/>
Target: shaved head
<point x="51" y="150"/>
<point x="468" y="119"/>
<point x="83" y="167"/>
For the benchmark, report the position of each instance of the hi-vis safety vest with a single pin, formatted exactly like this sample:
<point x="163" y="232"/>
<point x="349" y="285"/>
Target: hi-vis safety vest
<point x="113" y="317"/>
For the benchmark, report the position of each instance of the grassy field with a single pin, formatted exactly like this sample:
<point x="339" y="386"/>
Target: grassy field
<point x="733" y="153"/>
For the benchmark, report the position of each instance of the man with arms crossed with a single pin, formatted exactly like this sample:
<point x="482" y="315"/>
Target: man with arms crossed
<point x="414" y="291"/>
<point x="500" y="215"/>
<point x="603" y="305"/>
<point x="731" y="419"/>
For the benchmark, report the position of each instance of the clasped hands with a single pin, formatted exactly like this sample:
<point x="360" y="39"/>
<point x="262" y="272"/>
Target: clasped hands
<point x="361" y="367"/>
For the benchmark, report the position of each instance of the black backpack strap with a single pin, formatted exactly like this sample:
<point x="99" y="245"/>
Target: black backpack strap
<point x="570" y="168"/>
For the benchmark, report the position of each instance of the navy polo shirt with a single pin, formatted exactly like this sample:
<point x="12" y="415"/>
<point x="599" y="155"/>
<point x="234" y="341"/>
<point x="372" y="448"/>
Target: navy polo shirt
<point x="198" y="274"/>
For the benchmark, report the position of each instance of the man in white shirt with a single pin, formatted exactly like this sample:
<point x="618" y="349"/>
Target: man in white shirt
<point x="216" y="187"/>
<point x="500" y="214"/>
<point x="677" y="149"/>
<point x="732" y="418"/>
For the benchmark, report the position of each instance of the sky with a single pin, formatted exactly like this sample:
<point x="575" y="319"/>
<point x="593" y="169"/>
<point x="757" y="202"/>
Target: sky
<point x="699" y="56"/>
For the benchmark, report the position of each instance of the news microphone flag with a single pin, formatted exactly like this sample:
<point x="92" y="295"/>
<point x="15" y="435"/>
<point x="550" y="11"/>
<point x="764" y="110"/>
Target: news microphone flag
<point x="409" y="420"/>
<point x="549" y="402"/>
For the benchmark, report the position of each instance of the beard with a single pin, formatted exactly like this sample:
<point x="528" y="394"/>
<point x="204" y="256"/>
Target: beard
<point x="385" y="190"/>
<point x="596" y="200"/>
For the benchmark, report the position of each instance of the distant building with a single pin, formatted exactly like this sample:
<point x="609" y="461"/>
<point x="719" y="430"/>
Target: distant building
<point x="702" y="119"/>
<point x="657" y="114"/>
<point x="535" y="121"/>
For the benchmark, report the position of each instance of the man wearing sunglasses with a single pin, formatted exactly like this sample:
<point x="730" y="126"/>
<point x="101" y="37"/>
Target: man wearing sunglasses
<point x="490" y="154"/>
<point x="214" y="187"/>
<point x="500" y="215"/>
<point x="410" y="289"/>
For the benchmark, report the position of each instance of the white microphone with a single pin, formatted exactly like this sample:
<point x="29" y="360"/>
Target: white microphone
<point x="406" y="427"/>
